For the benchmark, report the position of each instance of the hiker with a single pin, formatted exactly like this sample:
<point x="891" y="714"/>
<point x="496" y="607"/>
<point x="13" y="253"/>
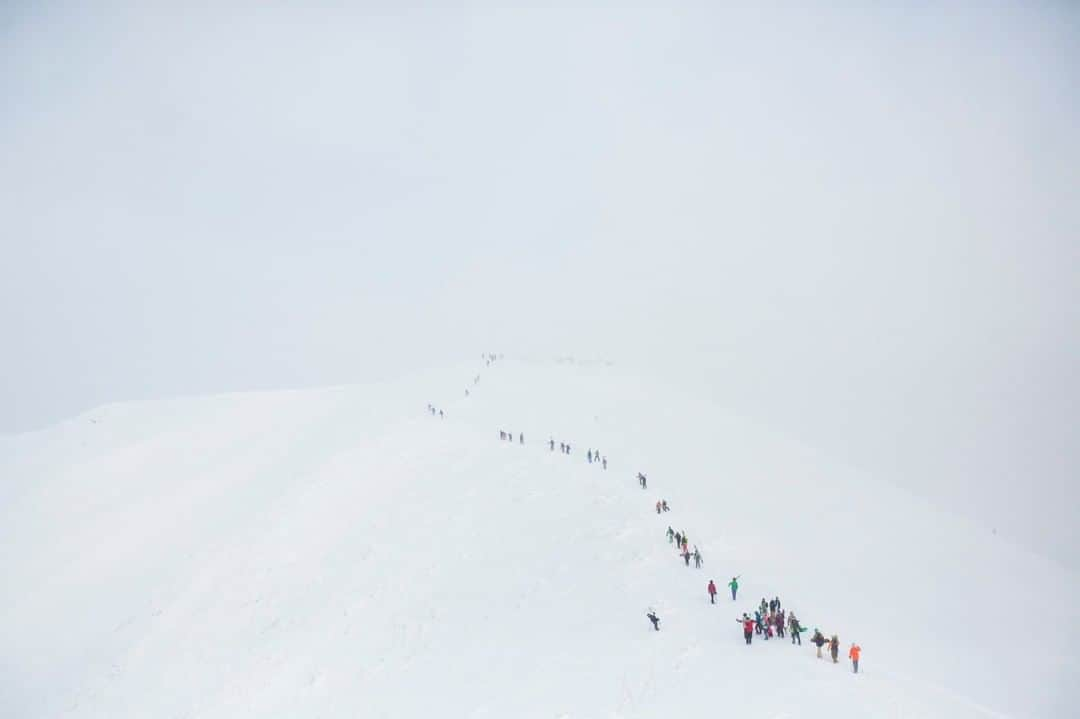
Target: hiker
<point x="502" y="435"/>
<point x="734" y="584"/>
<point x="757" y="622"/>
<point x="658" y="507"/>
<point x="795" y="629"/>
<point x="686" y="555"/>
<point x="588" y="456"/>
<point x="697" y="558"/>
<point x="663" y="504"/>
<point x="747" y="627"/>
<point x="670" y="535"/>
<point x="521" y="438"/>
<point x="552" y="443"/>
<point x="562" y="447"/>
<point x="712" y="592"/>
<point x="568" y="449"/>
<point x="441" y="415"/>
<point x="678" y="540"/>
<point x="654" y="619"/>
<point x="818" y="640"/>
<point x="777" y="600"/>
<point x="780" y="624"/>
<point x="605" y="462"/>
<point x="853" y="655"/>
<point x="772" y="606"/>
<point x="685" y="543"/>
<point x="834" y="648"/>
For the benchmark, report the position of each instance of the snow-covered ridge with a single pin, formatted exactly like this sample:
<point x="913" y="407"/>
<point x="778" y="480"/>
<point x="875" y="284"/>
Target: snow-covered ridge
<point x="341" y="552"/>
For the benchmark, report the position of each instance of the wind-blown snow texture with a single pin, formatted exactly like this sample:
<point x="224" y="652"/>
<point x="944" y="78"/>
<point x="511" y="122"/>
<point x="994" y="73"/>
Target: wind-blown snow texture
<point x="342" y="553"/>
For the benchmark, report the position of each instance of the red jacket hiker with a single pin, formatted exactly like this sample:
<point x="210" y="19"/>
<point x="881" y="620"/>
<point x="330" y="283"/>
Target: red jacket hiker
<point x="712" y="587"/>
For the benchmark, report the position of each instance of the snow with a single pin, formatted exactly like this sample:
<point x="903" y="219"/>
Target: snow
<point x="341" y="552"/>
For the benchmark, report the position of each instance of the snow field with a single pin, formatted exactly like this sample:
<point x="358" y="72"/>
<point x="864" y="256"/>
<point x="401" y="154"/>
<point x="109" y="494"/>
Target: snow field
<point x="339" y="552"/>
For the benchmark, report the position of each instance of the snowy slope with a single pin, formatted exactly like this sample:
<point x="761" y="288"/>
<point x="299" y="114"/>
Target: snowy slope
<point x="342" y="553"/>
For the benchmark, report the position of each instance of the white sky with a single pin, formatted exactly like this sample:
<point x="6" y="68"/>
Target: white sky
<point x="858" y="226"/>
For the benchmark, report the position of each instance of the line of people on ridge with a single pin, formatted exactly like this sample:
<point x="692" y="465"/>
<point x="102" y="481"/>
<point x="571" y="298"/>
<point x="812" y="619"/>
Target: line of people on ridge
<point x="435" y="411"/>
<point x="593" y="456"/>
<point x="769" y="620"/>
<point x="682" y="545"/>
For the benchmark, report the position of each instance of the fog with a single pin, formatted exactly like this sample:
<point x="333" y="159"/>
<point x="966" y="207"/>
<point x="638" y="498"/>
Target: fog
<point x="857" y="227"/>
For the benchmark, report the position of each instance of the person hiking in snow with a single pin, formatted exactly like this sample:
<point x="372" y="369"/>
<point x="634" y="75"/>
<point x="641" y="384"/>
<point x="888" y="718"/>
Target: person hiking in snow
<point x="670" y="535"/>
<point x="658" y="507"/>
<point x="678" y="540"/>
<point x="779" y="618"/>
<point x="747" y="628"/>
<point x="686" y="555"/>
<point x="697" y="558"/>
<point x="685" y="543"/>
<point x="552" y="443"/>
<point x="588" y="456"/>
<point x="441" y="416"/>
<point x="834" y="648"/>
<point x="757" y="621"/>
<point x="521" y="438"/>
<point x="641" y="480"/>
<point x="795" y="628"/>
<point x="712" y="592"/>
<point x="777" y="600"/>
<point x="605" y="462"/>
<point x="654" y="619"/>
<point x="818" y="640"/>
<point x="764" y="606"/>
<point x="568" y="449"/>
<point x="734" y="584"/>
<point x="502" y="435"/>
<point x="772" y="606"/>
<point x="663" y="504"/>
<point x="853" y="655"/>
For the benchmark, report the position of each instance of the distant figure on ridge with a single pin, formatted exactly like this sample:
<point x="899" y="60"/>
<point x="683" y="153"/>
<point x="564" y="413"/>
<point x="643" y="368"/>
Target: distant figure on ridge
<point x="818" y="640"/>
<point x="747" y="628"/>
